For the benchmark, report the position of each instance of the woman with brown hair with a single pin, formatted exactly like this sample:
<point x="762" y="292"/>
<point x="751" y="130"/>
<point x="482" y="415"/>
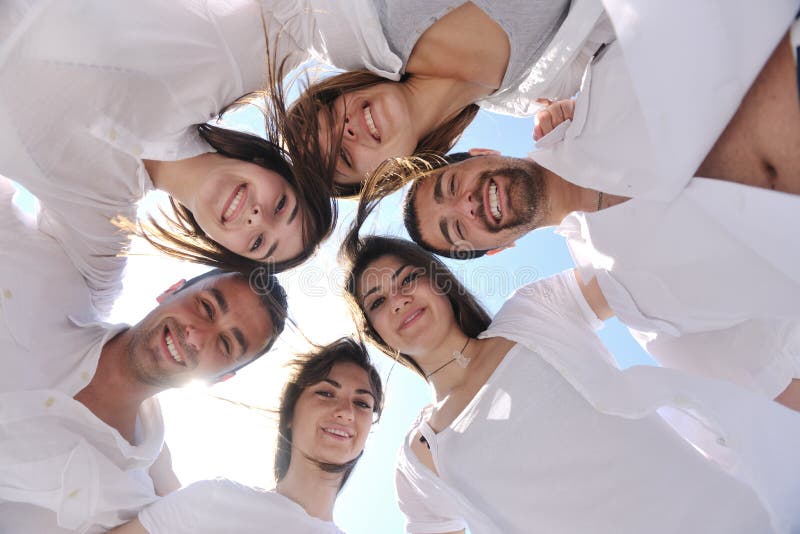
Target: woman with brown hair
<point x="503" y="56"/>
<point x="102" y="102"/>
<point x="532" y="426"/>
<point x="326" y="411"/>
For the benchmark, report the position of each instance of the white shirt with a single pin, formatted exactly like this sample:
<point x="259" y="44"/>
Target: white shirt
<point x="717" y="263"/>
<point x="214" y="506"/>
<point x="574" y="445"/>
<point x="61" y="468"/>
<point x="652" y="104"/>
<point x="89" y="88"/>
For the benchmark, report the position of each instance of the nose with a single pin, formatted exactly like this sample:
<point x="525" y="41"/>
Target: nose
<point x="255" y="215"/>
<point x="400" y="301"/>
<point x="194" y="337"/>
<point x="344" y="410"/>
<point x="349" y="131"/>
<point x="467" y="204"/>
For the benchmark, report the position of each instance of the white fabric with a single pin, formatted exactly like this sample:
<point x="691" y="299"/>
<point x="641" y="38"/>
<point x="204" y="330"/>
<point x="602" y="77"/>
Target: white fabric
<point x="214" y="506"/>
<point x="55" y="455"/>
<point x="754" y="440"/>
<point x="654" y="102"/>
<point x="88" y="88"/>
<point x="558" y="71"/>
<point x="719" y="257"/>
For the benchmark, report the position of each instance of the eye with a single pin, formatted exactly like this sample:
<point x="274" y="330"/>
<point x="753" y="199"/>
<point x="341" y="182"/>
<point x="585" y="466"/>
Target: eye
<point x="281" y="204"/>
<point x="413" y="275"/>
<point x="226" y="345"/>
<point x="459" y="231"/>
<point x="345" y="158"/>
<point x="363" y="404"/>
<point x="257" y="243"/>
<point x="452" y="185"/>
<point x="324" y="393"/>
<point x="208" y="308"/>
<point x="376" y="303"/>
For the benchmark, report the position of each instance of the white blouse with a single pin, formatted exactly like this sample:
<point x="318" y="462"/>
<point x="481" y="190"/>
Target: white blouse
<point x="717" y="263"/>
<point x="89" y="88"/>
<point x="215" y="506"/>
<point x="653" y="103"/>
<point x="559" y="440"/>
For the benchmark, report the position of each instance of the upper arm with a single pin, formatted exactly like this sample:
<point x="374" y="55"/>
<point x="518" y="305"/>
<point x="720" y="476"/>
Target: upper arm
<point x="134" y="527"/>
<point x="164" y="478"/>
<point x="594" y="297"/>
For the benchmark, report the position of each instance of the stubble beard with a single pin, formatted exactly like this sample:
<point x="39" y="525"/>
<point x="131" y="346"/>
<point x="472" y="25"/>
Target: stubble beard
<point x="139" y="353"/>
<point x="526" y="198"/>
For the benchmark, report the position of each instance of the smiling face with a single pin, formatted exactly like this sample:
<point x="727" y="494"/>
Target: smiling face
<point x="332" y="418"/>
<point x="375" y="123"/>
<point x="250" y="210"/>
<point x="403" y="306"/>
<point x="481" y="203"/>
<point x="201" y="332"/>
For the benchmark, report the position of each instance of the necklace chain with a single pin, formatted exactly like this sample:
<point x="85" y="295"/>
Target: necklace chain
<point x="457" y="356"/>
<point x="599" y="200"/>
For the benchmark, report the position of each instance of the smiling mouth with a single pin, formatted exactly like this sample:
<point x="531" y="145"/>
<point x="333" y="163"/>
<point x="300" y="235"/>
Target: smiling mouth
<point x="170" y="342"/>
<point x="494" y="202"/>
<point x="373" y="131"/>
<point x="412" y="318"/>
<point x="235" y="204"/>
<point x="337" y="432"/>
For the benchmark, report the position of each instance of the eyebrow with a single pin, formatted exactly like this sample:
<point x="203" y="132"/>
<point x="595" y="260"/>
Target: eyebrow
<point x="223" y="306"/>
<point x="394" y="277"/>
<point x="437" y="189"/>
<point x="337" y="385"/>
<point x="294" y="213"/>
<point x="443" y="227"/>
<point x="270" y="251"/>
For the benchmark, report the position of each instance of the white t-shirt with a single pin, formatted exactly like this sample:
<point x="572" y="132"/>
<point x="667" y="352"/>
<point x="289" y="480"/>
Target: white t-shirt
<point x="653" y="103"/>
<point x="559" y="440"/>
<point x="215" y="506"/>
<point x="61" y="468"/>
<point x="717" y="262"/>
<point x="89" y="88"/>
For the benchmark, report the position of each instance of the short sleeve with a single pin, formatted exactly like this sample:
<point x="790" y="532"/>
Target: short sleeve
<point x="182" y="511"/>
<point x="418" y="509"/>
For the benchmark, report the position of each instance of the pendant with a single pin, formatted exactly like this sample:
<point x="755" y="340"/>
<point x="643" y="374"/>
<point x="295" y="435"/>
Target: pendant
<point x="461" y="360"/>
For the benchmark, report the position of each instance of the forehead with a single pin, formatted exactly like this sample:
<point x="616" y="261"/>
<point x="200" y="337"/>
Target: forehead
<point x="379" y="272"/>
<point x="348" y="374"/>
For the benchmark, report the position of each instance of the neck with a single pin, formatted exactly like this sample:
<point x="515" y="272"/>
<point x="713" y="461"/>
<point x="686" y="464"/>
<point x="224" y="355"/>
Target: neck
<point x="113" y="394"/>
<point x="444" y="374"/>
<point x="310" y="487"/>
<point x="432" y="101"/>
<point x="179" y="178"/>
<point x="565" y="197"/>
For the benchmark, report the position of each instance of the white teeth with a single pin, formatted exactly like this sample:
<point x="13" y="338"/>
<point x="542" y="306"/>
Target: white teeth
<point x="494" y="206"/>
<point x="337" y="432"/>
<point x="371" y="124"/>
<point x="235" y="204"/>
<point x="172" y="350"/>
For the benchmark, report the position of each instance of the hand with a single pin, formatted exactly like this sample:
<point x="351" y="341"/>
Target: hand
<point x="552" y="115"/>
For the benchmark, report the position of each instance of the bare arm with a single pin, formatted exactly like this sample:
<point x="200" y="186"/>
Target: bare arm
<point x="134" y="527"/>
<point x="594" y="297"/>
<point x="164" y="478"/>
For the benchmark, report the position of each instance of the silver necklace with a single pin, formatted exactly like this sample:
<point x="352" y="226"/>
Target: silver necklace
<point x="458" y="357"/>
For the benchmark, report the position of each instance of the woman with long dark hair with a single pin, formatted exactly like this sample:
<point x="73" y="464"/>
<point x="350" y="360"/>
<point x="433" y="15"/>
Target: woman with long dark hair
<point x="326" y="411"/>
<point x="532" y="427"/>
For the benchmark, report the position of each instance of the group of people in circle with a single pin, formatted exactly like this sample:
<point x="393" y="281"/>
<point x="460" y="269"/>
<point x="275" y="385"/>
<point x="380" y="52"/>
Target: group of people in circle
<point x="533" y="427"/>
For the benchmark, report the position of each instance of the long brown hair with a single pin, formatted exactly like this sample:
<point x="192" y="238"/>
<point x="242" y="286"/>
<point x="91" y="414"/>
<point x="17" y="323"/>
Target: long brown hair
<point x="319" y="97"/>
<point x="309" y="173"/>
<point x="360" y="253"/>
<point x="310" y="369"/>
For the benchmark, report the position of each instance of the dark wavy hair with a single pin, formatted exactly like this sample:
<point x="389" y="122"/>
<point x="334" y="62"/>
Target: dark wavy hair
<point x="360" y="253"/>
<point x="310" y="369"/>
<point x="308" y="172"/>
<point x="319" y="97"/>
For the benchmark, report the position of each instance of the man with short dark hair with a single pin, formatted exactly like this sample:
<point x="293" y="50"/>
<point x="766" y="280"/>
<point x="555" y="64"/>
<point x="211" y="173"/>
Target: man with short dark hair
<point x="79" y="425"/>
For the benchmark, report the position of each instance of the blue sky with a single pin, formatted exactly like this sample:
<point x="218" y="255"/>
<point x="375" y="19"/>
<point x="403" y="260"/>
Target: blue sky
<point x="209" y="437"/>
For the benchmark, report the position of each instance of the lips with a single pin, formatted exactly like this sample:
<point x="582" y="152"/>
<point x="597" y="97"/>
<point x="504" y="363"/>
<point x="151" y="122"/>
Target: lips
<point x="369" y="122"/>
<point x="492" y="203"/>
<point x="171" y="346"/>
<point x="411" y="318"/>
<point x="235" y="204"/>
<point x="337" y="432"/>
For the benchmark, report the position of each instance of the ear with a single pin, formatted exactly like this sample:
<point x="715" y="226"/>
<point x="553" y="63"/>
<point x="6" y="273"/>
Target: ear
<point x="170" y="290"/>
<point x="500" y="249"/>
<point x="483" y="152"/>
<point x="225" y="377"/>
